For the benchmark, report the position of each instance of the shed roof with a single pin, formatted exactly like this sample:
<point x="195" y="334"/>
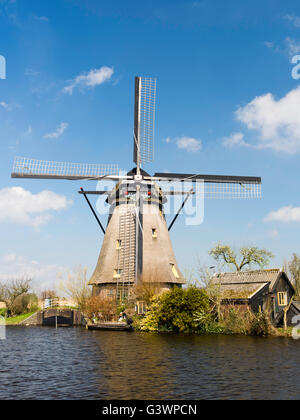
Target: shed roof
<point x="296" y="303"/>
<point x="245" y="284"/>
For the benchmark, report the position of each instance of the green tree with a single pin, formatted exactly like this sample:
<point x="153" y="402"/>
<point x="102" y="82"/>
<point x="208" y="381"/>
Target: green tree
<point x="247" y="256"/>
<point x="294" y="268"/>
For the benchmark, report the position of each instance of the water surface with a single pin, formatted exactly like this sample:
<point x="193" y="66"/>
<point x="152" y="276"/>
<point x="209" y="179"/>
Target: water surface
<point x="73" y="363"/>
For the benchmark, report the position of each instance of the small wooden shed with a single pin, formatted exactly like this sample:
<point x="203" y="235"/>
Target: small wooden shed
<point x="260" y="290"/>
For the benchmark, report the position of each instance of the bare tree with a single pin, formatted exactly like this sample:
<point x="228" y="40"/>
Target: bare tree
<point x="144" y="291"/>
<point x="11" y="290"/>
<point x="76" y="286"/>
<point x="48" y="294"/>
<point x="248" y="256"/>
<point x="294" y="269"/>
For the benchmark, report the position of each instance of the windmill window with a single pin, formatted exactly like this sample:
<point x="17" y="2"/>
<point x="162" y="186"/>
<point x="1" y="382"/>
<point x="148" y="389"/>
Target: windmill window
<point x="110" y="293"/>
<point x="119" y="244"/>
<point x="174" y="271"/>
<point x="117" y="273"/>
<point x="282" y="298"/>
<point x="154" y="233"/>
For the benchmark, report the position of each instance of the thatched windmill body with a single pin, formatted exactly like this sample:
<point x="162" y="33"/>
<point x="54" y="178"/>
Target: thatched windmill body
<point x="137" y="245"/>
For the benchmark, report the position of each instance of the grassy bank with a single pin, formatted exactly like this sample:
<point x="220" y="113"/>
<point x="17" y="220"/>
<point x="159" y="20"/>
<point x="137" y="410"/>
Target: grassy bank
<point x="18" y="319"/>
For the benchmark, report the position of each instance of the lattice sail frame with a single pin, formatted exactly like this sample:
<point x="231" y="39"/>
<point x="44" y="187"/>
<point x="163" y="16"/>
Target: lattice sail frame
<point x="214" y="190"/>
<point x="147" y="102"/>
<point x="33" y="167"/>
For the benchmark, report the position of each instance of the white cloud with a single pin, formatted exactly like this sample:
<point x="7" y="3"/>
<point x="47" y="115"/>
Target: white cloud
<point x="295" y="20"/>
<point x="289" y="46"/>
<point x="9" y="258"/>
<point x="31" y="72"/>
<point x="6" y="106"/>
<point x="235" y="139"/>
<point x="93" y="78"/>
<point x="41" y="18"/>
<point x="273" y="234"/>
<point x="58" y="132"/>
<point x="292" y="46"/>
<point x="276" y="121"/>
<point x="18" y="205"/>
<point x="189" y="144"/>
<point x="44" y="276"/>
<point x="269" y="44"/>
<point x="284" y="214"/>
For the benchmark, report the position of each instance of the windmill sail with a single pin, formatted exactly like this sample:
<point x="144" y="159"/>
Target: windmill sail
<point x="44" y="169"/>
<point x="214" y="186"/>
<point x="208" y="178"/>
<point x="144" y="120"/>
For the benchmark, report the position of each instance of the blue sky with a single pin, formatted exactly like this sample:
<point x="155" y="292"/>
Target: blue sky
<point x="225" y="93"/>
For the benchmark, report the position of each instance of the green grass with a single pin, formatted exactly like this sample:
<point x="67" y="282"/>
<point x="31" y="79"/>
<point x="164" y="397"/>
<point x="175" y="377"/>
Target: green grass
<point x="17" y="319"/>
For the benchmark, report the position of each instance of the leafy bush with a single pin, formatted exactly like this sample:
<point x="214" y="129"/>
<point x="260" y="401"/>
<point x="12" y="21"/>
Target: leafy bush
<point x="179" y="306"/>
<point x="25" y="303"/>
<point x="3" y="312"/>
<point x="151" y="322"/>
<point x="179" y="310"/>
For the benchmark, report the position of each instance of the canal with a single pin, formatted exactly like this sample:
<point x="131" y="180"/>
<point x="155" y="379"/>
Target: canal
<point x="73" y="363"/>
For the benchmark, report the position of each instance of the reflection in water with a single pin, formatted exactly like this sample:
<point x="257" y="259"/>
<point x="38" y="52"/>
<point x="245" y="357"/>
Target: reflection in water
<point x="135" y="366"/>
<point x="39" y="363"/>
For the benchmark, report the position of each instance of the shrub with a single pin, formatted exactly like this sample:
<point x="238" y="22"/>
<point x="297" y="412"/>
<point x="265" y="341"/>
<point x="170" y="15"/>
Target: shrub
<point x="238" y="321"/>
<point x="261" y="325"/>
<point x="103" y="309"/>
<point x="151" y="322"/>
<point x="25" y="303"/>
<point x="3" y="312"/>
<point x="175" y="311"/>
<point x="179" y="306"/>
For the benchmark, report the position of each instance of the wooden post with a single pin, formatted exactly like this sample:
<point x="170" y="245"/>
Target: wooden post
<point x="284" y="319"/>
<point x="285" y="311"/>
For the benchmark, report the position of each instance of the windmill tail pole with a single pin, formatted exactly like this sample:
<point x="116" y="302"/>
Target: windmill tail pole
<point x="93" y="211"/>
<point x="181" y="208"/>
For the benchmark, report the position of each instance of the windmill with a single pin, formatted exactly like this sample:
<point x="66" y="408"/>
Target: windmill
<point x="137" y="244"/>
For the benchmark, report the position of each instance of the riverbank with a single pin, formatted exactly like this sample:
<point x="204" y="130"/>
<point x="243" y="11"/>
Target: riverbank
<point x="17" y="320"/>
<point x="213" y="329"/>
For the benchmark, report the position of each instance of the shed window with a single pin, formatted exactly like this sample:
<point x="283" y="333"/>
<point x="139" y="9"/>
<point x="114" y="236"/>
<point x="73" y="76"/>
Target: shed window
<point x="174" y="271"/>
<point x="282" y="298"/>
